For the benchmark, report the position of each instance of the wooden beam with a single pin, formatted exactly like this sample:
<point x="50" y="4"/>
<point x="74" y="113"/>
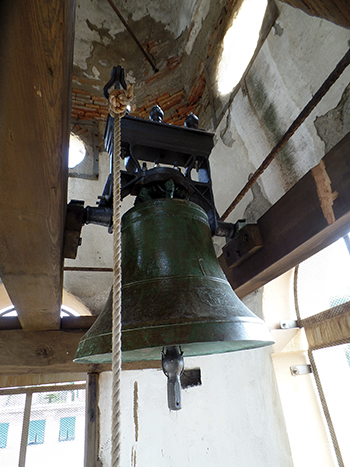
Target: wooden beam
<point x="330" y="327"/>
<point x="92" y="421"/>
<point x="337" y="11"/>
<point x="38" y="352"/>
<point x="51" y="352"/>
<point x="36" y="53"/>
<point x="309" y="217"/>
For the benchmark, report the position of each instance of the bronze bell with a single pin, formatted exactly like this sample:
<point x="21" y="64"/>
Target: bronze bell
<point x="173" y="291"/>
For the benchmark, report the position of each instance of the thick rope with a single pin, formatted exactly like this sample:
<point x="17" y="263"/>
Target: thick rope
<point x="118" y="101"/>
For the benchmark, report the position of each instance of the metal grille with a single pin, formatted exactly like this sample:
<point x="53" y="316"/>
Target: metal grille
<point x="333" y="367"/>
<point x="322" y="293"/>
<point x="41" y="426"/>
<point x="11" y="422"/>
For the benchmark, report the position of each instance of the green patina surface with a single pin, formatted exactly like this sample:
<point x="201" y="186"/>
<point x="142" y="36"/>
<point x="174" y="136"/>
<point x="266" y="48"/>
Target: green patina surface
<point x="174" y="291"/>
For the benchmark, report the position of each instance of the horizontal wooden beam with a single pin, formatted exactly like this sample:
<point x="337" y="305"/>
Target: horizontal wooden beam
<point x="310" y="216"/>
<point x="36" y="52"/>
<point x="330" y="327"/>
<point x="337" y="11"/>
<point x="37" y="352"/>
<point x="49" y="352"/>
<point x="68" y="323"/>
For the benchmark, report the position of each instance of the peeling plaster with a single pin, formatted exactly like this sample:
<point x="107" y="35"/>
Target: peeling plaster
<point x="200" y="14"/>
<point x="101" y="16"/>
<point x="226" y="133"/>
<point x="176" y="16"/>
<point x="335" y="124"/>
<point x="258" y="206"/>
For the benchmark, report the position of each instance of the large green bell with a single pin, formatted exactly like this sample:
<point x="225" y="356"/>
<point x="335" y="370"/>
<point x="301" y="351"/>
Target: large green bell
<point x="173" y="291"/>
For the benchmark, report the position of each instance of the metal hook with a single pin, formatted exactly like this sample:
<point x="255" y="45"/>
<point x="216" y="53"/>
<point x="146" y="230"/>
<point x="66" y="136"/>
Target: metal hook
<point x="117" y="79"/>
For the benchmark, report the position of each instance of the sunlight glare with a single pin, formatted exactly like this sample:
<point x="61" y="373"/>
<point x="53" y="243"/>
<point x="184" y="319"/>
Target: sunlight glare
<point x="76" y="151"/>
<point x="240" y="43"/>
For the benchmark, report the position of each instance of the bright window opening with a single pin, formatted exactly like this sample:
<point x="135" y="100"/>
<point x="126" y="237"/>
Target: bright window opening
<point x="65" y="311"/>
<point x="42" y="426"/>
<point x="240" y="43"/>
<point x="323" y="280"/>
<point x="77" y="151"/>
<point x="333" y="368"/>
<point x="322" y="304"/>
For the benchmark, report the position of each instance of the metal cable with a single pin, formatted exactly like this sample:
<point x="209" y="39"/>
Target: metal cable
<point x="332" y="78"/>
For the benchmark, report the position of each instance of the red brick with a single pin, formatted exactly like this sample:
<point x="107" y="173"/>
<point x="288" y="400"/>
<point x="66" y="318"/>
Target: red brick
<point x="91" y="114"/>
<point x="80" y="91"/>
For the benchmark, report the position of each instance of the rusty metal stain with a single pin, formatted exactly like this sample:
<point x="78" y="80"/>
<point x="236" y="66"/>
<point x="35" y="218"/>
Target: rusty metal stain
<point x="136" y="408"/>
<point x="324" y="191"/>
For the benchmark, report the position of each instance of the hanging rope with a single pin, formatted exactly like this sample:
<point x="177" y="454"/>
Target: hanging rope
<point x="118" y="102"/>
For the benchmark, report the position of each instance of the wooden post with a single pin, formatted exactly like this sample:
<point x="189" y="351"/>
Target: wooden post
<point x="36" y="53"/>
<point x="92" y="421"/>
<point x="25" y="430"/>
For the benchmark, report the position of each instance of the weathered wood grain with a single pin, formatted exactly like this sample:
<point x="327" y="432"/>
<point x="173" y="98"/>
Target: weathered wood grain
<point x="335" y="330"/>
<point x="92" y="421"/>
<point x="35" y="86"/>
<point x="51" y="352"/>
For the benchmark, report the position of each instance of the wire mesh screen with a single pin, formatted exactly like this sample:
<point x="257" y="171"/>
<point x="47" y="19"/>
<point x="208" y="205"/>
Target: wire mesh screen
<point x="333" y="366"/>
<point x="11" y="422"/>
<point x="51" y="433"/>
<point x="323" y="280"/>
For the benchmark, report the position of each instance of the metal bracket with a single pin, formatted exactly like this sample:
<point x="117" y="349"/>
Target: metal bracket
<point x="291" y="324"/>
<point x="72" y="230"/>
<point x="244" y="244"/>
<point x="298" y="370"/>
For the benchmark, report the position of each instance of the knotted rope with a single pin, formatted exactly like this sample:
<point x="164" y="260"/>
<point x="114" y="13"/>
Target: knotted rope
<point x="118" y="102"/>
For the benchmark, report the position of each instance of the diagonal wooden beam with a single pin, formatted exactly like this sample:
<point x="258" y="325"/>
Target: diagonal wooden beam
<point x="310" y="216"/>
<point x="36" y="57"/>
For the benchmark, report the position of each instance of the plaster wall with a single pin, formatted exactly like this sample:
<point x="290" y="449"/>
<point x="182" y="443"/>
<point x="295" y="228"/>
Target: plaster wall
<point x="233" y="418"/>
<point x="298" y="55"/>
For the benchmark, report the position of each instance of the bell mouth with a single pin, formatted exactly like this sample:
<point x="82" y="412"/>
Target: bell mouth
<point x="240" y="335"/>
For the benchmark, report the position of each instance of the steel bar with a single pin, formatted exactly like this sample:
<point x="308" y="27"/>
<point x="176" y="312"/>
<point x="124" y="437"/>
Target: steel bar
<point x="139" y="45"/>
<point x="332" y="78"/>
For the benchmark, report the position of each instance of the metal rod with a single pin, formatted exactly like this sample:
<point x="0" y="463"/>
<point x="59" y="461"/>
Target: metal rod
<point x="347" y="242"/>
<point x="87" y="269"/>
<point x="332" y="78"/>
<point x="147" y="55"/>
